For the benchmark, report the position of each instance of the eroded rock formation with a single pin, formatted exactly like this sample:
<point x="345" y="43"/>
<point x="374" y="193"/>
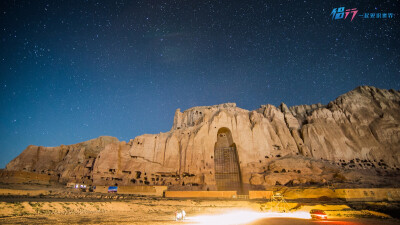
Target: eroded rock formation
<point x="355" y="139"/>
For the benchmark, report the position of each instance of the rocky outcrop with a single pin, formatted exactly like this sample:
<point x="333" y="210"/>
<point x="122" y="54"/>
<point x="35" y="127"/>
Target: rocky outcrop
<point x="354" y="138"/>
<point x="68" y="162"/>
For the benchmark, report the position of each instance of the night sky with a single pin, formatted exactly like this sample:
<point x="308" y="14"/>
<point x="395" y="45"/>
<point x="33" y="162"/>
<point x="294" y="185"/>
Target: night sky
<point x="71" y="71"/>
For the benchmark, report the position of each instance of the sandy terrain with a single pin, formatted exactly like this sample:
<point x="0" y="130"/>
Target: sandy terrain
<point x="152" y="210"/>
<point x="59" y="205"/>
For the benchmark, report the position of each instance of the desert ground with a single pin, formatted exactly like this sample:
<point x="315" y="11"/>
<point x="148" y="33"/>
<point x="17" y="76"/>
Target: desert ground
<point x="68" y="206"/>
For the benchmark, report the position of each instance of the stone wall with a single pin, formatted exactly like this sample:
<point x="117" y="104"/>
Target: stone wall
<point x="136" y="190"/>
<point x="200" y="194"/>
<point x="349" y="194"/>
<point x="260" y="194"/>
<point x="23" y="192"/>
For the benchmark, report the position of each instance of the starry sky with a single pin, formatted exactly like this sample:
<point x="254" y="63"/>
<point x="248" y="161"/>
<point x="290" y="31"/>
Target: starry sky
<point x="73" y="70"/>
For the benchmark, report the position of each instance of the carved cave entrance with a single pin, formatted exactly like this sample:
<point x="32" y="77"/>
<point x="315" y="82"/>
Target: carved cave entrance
<point x="227" y="170"/>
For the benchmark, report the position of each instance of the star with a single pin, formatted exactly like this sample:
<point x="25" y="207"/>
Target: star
<point x="67" y="63"/>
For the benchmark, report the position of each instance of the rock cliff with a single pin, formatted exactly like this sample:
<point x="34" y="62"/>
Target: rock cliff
<point x="354" y="140"/>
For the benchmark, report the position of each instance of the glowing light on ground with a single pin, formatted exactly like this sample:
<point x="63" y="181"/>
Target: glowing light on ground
<point x="243" y="217"/>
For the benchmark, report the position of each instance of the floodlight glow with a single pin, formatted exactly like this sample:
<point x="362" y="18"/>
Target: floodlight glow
<point x="243" y="217"/>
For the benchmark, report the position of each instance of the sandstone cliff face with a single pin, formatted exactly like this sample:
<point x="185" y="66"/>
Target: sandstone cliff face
<point x="68" y="162"/>
<point x="357" y="132"/>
